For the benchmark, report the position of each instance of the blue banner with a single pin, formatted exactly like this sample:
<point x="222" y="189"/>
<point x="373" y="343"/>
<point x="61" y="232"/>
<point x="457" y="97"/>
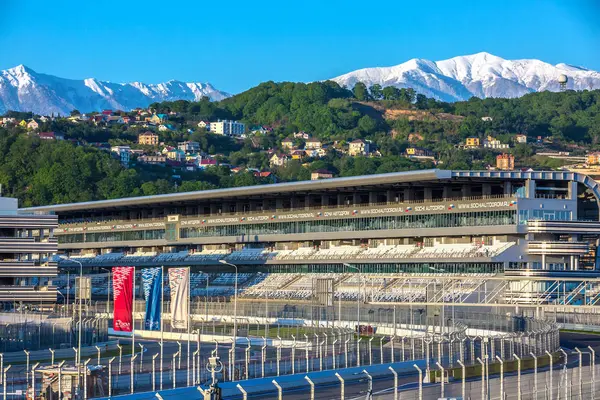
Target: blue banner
<point x="152" y="280"/>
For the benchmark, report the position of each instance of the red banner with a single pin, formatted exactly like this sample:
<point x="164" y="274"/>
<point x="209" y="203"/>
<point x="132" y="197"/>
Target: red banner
<point x="123" y="298"/>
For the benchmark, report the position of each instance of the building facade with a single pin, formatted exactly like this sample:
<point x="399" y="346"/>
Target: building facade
<point x="227" y="128"/>
<point x="522" y="230"/>
<point x="505" y="162"/>
<point x="28" y="249"/>
<point x="148" y="138"/>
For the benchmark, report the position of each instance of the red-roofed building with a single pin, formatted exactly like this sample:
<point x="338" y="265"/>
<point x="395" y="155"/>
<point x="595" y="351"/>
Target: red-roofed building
<point x="262" y="174"/>
<point x="50" y="136"/>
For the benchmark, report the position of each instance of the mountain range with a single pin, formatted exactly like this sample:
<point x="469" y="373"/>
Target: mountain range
<point x="23" y="89"/>
<point x="481" y="75"/>
<point x="460" y="78"/>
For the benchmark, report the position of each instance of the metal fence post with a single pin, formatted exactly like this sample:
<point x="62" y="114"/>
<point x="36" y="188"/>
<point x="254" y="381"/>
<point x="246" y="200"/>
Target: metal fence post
<point x="4" y="384"/>
<point x="395" y="382"/>
<point x="60" y="393"/>
<point x="580" y="372"/>
<point x="358" y="351"/>
<point x="370" y="384"/>
<point x="371" y="350"/>
<point x="442" y="377"/>
<point x="154" y="372"/>
<point x="132" y="372"/>
<point x="593" y="369"/>
<point x="247" y="374"/>
<point x="110" y="376"/>
<point x="175" y="370"/>
<point x="420" y="381"/>
<point x="26" y="366"/>
<point x="278" y="355"/>
<point x="85" y="374"/>
<point x="279" y="390"/>
<point x="142" y="358"/>
<point x="244" y="393"/>
<point x="341" y="386"/>
<point x="392" y="348"/>
<point x="535" y="369"/>
<point x="518" y="375"/>
<point x="550" y="355"/>
<point x="501" y="376"/>
<point x="463" y="378"/>
<point x="482" y="377"/>
<point x="312" y="387"/>
<point x="98" y="350"/>
<point x="52" y="351"/>
<point x="334" y="354"/>
<point x="120" y="347"/>
<point x="33" y="379"/>
<point x="345" y="353"/>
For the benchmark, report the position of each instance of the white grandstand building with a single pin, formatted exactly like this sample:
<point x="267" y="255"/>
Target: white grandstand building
<point x="418" y="237"/>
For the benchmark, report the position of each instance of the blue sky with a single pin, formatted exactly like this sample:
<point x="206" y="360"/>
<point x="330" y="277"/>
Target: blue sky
<point x="238" y="44"/>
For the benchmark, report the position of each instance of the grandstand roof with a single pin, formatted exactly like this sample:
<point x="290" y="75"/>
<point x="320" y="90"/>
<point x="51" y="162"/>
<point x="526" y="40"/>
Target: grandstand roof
<point x="364" y="181"/>
<point x="259" y="190"/>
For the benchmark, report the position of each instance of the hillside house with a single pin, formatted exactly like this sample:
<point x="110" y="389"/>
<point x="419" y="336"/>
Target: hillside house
<point x="419" y="153"/>
<point x="472" y="142"/>
<point x="311" y="144"/>
<point x="321" y="174"/>
<point x="279" y="160"/>
<point x="148" y="138"/>
<point x="288" y="144"/>
<point x="359" y="147"/>
<point x="33" y="125"/>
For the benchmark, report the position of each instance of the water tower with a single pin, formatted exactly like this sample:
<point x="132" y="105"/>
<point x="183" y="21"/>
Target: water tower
<point x="562" y="81"/>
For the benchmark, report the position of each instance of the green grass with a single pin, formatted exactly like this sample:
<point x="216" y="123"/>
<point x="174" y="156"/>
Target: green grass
<point x="580" y="332"/>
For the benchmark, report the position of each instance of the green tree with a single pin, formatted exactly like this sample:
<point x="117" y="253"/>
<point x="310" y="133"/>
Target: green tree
<point x="376" y="91"/>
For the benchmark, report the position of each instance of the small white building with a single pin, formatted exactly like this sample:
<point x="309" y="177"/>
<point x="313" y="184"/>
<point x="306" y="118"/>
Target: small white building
<point x="189" y="147"/>
<point x="227" y="128"/>
<point x="123" y="153"/>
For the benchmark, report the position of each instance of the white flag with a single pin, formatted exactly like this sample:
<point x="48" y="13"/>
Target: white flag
<point x="179" y="282"/>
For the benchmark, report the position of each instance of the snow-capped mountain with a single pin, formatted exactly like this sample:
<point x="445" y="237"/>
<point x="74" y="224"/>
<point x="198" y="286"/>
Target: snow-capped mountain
<point x="480" y="75"/>
<point x="22" y="89"/>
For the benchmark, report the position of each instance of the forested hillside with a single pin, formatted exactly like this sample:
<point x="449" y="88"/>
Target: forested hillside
<point x="43" y="171"/>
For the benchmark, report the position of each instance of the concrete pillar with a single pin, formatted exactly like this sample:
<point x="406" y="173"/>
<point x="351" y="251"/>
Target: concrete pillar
<point x="543" y="261"/>
<point x="372" y="197"/>
<point x="428" y="194"/>
<point x="324" y="200"/>
<point x="572" y="190"/>
<point x="466" y="191"/>
<point x="213" y="209"/>
<point x="530" y="189"/>
<point x="507" y="188"/>
<point x="253" y="205"/>
<point x="294" y="202"/>
<point x="486" y="189"/>
<point x="446" y="192"/>
<point x="408" y="195"/>
<point x="390" y="196"/>
<point x="355" y="198"/>
<point x="307" y="204"/>
<point x="278" y="204"/>
<point x="239" y="207"/>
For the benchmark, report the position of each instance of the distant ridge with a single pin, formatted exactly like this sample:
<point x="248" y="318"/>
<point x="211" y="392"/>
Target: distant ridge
<point x="481" y="75"/>
<point x="23" y="89"/>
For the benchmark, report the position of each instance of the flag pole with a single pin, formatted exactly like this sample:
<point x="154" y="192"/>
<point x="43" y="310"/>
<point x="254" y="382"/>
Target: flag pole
<point x="162" y="297"/>
<point x="189" y="324"/>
